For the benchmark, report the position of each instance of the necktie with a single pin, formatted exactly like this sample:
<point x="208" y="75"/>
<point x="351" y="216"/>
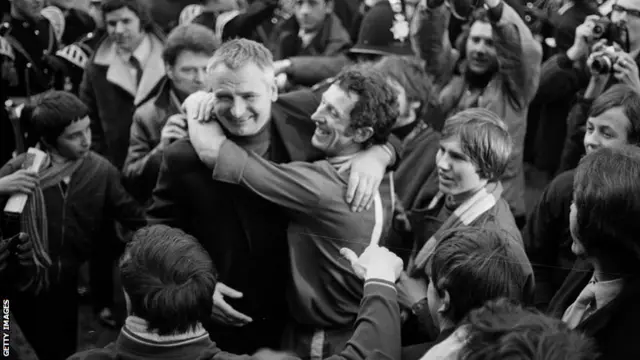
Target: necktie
<point x="136" y="65"/>
<point x="576" y="312"/>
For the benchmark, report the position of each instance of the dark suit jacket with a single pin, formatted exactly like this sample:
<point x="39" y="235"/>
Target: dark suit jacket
<point x="613" y="327"/>
<point x="142" y="164"/>
<point x="244" y="234"/>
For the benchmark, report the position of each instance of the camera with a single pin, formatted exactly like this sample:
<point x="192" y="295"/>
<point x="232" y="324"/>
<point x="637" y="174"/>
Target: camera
<point x="603" y="63"/>
<point x="604" y="28"/>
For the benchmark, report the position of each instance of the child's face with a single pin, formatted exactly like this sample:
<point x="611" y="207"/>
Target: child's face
<point x="75" y="140"/>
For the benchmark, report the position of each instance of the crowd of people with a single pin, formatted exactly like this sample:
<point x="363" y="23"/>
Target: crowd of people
<point x="320" y="179"/>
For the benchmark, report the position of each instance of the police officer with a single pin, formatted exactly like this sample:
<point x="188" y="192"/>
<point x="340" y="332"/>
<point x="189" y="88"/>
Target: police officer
<point x="34" y="68"/>
<point x="34" y="44"/>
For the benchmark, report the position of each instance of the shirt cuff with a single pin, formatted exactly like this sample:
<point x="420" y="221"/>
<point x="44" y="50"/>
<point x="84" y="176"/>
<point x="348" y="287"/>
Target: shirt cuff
<point x="379" y="286"/>
<point x="230" y="163"/>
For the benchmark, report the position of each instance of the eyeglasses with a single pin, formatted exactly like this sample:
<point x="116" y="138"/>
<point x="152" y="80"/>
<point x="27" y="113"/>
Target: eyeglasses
<point x="630" y="12"/>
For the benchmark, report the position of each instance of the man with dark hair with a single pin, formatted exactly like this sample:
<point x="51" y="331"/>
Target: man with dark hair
<point x="496" y="67"/>
<point x="125" y="69"/>
<point x="356" y="112"/>
<point x="158" y="122"/>
<point x="168" y="281"/>
<point x="600" y="296"/>
<point x="468" y="267"/>
<point x="78" y="196"/>
<point x="613" y="121"/>
<point x="247" y="237"/>
<point x="503" y="329"/>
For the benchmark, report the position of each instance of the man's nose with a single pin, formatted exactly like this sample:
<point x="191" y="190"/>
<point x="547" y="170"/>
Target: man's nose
<point x="591" y="140"/>
<point x="200" y="75"/>
<point x="239" y="107"/>
<point x="443" y="163"/>
<point x="119" y="27"/>
<point x="304" y="8"/>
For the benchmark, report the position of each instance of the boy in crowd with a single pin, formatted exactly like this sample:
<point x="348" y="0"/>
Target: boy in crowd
<point x="76" y="197"/>
<point x="467" y="268"/>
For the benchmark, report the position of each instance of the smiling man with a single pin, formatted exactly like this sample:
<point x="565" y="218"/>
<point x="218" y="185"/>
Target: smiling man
<point x="357" y="111"/>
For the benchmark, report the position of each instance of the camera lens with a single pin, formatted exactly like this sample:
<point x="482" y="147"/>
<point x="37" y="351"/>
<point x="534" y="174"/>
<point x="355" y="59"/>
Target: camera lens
<point x="598" y="30"/>
<point x="601" y="65"/>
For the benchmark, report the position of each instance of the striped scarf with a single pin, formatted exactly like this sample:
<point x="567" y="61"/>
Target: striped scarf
<point x="463" y="215"/>
<point x="34" y="219"/>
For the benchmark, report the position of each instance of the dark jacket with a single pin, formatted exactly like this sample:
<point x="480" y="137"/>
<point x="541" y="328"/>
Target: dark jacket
<point x="142" y="164"/>
<point x="110" y="93"/>
<point x="80" y="224"/>
<point x="331" y="39"/>
<point x="547" y="238"/>
<point x="94" y="199"/>
<point x="419" y="162"/>
<point x="35" y="68"/>
<point x="255" y="23"/>
<point x="547" y="119"/>
<point x="377" y="334"/>
<point x="614" y="327"/>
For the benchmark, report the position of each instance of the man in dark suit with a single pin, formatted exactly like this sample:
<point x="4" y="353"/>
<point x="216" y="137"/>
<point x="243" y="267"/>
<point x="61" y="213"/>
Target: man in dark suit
<point x="245" y="234"/>
<point x="600" y="296"/>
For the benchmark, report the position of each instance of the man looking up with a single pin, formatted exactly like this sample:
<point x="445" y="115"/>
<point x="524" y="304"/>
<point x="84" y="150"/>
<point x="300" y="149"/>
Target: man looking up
<point x="246" y="237"/>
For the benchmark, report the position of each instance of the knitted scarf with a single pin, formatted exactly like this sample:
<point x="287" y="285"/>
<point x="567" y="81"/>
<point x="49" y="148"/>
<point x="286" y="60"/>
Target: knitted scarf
<point x="34" y="219"/>
<point x="463" y="215"/>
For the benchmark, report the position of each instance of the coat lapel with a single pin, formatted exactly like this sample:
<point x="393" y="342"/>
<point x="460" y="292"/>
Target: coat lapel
<point x="117" y="72"/>
<point x="119" y="75"/>
<point x="153" y="72"/>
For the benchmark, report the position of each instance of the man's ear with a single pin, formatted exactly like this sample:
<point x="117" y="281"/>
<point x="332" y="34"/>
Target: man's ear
<point x="445" y="302"/>
<point x="168" y="69"/>
<point x="363" y="134"/>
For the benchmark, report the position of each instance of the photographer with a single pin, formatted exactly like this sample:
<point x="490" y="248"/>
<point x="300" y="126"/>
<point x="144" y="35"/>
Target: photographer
<point x="566" y="74"/>
<point x="613" y="59"/>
